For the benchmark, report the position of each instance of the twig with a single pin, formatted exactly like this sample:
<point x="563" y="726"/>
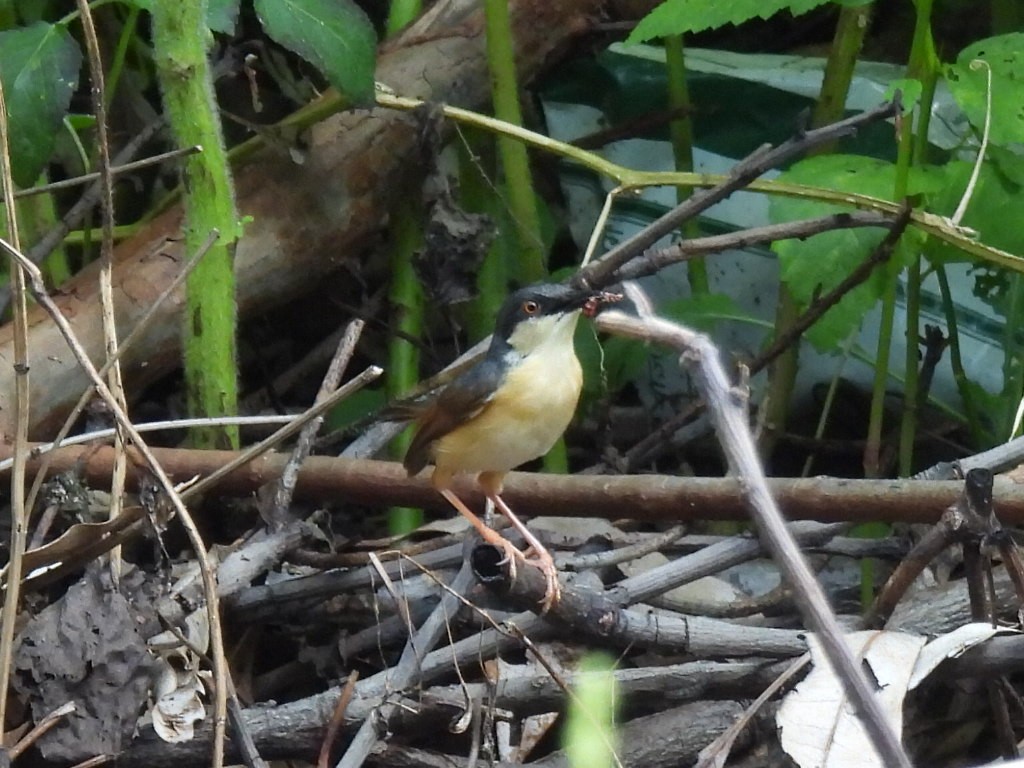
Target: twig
<point x="699" y="354"/>
<point x="48" y="722"/>
<point x="285" y="485"/>
<point x="115" y="170"/>
<point x="653" y="261"/>
<point x="819" y="307"/>
<point x="117" y="481"/>
<point x="337" y="718"/>
<point x="89" y="197"/>
<point x="625" y="554"/>
<point x="715" y="754"/>
<point x="22" y="395"/>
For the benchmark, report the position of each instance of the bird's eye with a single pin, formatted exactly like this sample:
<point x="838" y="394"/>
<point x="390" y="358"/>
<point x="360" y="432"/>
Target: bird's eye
<point x="531" y="307"/>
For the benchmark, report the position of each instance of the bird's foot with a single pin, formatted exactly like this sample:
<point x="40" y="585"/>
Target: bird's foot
<point x="539" y="559"/>
<point x="553" y="591"/>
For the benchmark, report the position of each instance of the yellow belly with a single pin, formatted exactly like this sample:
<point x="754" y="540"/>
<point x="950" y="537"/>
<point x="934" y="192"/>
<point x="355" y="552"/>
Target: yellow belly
<point x="526" y="417"/>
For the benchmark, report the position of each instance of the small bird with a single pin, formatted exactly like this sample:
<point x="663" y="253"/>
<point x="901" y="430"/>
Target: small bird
<point x="509" y="408"/>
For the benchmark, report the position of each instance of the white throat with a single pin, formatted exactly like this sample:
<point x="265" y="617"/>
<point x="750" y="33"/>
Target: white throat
<point x="550" y="334"/>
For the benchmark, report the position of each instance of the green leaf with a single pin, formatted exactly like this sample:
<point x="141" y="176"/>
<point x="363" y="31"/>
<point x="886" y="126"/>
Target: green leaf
<point x="969" y="84"/>
<point x="675" y="17"/>
<point x="39" y="65"/>
<point x="222" y="16"/>
<point x="814" y="266"/>
<point x="335" y="36"/>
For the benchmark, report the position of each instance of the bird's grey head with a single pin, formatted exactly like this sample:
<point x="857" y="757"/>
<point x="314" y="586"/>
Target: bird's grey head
<point x="538" y="314"/>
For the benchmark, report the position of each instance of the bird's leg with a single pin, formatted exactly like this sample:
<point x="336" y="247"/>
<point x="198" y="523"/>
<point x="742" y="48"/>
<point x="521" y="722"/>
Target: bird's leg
<point x="489" y="535"/>
<point x="541" y="557"/>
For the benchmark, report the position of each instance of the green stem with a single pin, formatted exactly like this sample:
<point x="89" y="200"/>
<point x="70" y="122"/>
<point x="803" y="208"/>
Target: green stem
<point x="406" y="299"/>
<point x="956" y="359"/>
<point x="401" y="13"/>
<point x="514" y="159"/>
<point x="477" y="195"/>
<point x="117" y="62"/>
<point x="924" y="66"/>
<point x="917" y="66"/>
<point x="180" y="38"/>
<point x="681" y="135"/>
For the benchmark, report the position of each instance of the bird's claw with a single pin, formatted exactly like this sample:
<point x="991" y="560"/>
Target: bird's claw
<point x="553" y="590"/>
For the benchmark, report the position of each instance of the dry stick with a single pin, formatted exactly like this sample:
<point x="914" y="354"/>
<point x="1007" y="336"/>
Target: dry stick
<point x="115" y="170"/>
<point x="19" y="512"/>
<point x="117" y="482"/>
<point x="601" y="272"/>
<point x="44" y="725"/>
<point x="404" y="672"/>
<point x="652" y="261"/>
<point x="77" y="212"/>
<point x="125" y="345"/>
<point x="284" y="488"/>
<point x="627" y="553"/>
<point x="728" y="415"/>
<point x="715" y="754"/>
<point x="337" y="718"/>
<point x="220" y="667"/>
<point x="353" y="385"/>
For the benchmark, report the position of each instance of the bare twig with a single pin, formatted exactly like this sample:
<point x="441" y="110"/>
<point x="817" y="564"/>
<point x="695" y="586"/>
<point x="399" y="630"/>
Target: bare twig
<point x="653" y="261"/>
<point x="285" y="485"/>
<point x="115" y="170"/>
<point x="337" y="718"/>
<point x="19" y="511"/>
<point x="44" y="725"/>
<point x="92" y="47"/>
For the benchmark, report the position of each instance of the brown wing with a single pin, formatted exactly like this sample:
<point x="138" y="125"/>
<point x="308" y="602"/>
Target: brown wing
<point x="464" y="398"/>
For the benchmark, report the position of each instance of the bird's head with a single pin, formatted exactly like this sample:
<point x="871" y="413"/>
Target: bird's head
<point x="542" y="314"/>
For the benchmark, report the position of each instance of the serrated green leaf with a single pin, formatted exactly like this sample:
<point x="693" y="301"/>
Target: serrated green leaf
<point x="335" y="36"/>
<point x="676" y="17"/>
<point x="969" y="84"/>
<point x="39" y="65"/>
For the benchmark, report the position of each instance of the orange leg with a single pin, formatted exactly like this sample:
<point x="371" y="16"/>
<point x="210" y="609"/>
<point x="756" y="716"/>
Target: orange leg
<point x="489" y="535"/>
<point x="541" y="557"/>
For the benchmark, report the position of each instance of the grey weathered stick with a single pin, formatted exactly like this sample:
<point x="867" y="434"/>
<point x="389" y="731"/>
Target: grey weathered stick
<point x="729" y="417"/>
